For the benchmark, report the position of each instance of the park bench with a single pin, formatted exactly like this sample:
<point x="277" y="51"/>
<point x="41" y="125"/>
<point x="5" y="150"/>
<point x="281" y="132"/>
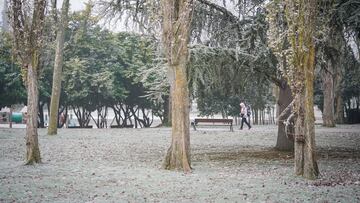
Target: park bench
<point x="89" y="126"/>
<point x="122" y="126"/>
<point x="213" y="122"/>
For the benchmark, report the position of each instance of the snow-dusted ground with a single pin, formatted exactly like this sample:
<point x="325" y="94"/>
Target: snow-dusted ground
<point x="124" y="165"/>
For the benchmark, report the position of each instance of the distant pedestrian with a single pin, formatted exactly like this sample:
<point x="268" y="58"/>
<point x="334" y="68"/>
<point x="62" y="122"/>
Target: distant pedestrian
<point x="62" y="119"/>
<point x="248" y="113"/>
<point x="243" y="116"/>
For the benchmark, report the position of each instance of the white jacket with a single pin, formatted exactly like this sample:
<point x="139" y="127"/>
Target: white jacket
<point x="243" y="110"/>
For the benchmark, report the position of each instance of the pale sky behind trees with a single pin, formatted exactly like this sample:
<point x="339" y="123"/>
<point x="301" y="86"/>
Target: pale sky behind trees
<point x="76" y="5"/>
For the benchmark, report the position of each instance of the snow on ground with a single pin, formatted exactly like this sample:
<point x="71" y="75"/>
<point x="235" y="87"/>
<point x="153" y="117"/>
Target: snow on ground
<point x="124" y="165"/>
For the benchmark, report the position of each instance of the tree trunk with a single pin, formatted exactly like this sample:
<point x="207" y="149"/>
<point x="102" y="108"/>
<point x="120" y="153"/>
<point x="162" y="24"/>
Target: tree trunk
<point x="328" y="91"/>
<point x="339" y="103"/>
<point x="273" y="115"/>
<point x="339" y="110"/>
<point x="165" y="116"/>
<point x="56" y="86"/>
<point x="260" y="114"/>
<point x="305" y="161"/>
<point x="178" y="155"/>
<point x="176" y="33"/>
<point x="256" y="122"/>
<point x="10" y="116"/>
<point x="170" y="110"/>
<point x="82" y="115"/>
<point x="337" y="45"/>
<point x="263" y="116"/>
<point x="41" y="123"/>
<point x="27" y="32"/>
<point x="283" y="143"/>
<point x="32" y="144"/>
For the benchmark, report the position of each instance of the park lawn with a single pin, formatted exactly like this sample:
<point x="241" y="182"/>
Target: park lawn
<point x="124" y="165"/>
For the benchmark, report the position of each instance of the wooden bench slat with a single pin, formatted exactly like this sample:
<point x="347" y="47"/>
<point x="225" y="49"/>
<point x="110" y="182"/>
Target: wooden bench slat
<point x="213" y="121"/>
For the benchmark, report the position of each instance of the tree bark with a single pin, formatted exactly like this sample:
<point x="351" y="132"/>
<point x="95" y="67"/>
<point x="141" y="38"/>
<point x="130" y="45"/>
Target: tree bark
<point x="339" y="102"/>
<point x="56" y="86"/>
<point x="305" y="161"/>
<point x="328" y="91"/>
<point x="299" y="138"/>
<point x="339" y="111"/>
<point x="41" y="123"/>
<point x="176" y="33"/>
<point x="178" y="156"/>
<point x="283" y="143"/>
<point x="167" y="111"/>
<point x="337" y="44"/>
<point x="27" y="32"/>
<point x="256" y="122"/>
<point x="300" y="16"/>
<point x="32" y="144"/>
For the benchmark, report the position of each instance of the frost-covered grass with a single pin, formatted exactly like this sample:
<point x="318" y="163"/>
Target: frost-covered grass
<point x="124" y="165"/>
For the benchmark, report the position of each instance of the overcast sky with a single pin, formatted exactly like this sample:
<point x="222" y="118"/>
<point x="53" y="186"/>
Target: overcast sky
<point x="75" y="5"/>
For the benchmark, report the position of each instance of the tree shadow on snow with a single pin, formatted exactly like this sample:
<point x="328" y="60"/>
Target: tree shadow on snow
<point x="271" y="154"/>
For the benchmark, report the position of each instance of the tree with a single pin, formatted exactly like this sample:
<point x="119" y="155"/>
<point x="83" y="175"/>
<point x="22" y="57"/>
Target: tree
<point x="346" y="25"/>
<point x="244" y="29"/>
<point x="176" y="33"/>
<point x="300" y="57"/>
<point x="137" y="54"/>
<point x="222" y="77"/>
<point x="12" y="90"/>
<point x="351" y="86"/>
<point x="154" y="79"/>
<point x="330" y="45"/>
<point x="56" y="87"/>
<point x="145" y="15"/>
<point x="87" y="76"/>
<point x="27" y="30"/>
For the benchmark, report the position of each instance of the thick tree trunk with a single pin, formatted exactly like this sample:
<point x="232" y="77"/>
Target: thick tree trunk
<point x="32" y="144"/>
<point x="299" y="138"/>
<point x="305" y="160"/>
<point x="283" y="143"/>
<point x="337" y="45"/>
<point x="339" y="102"/>
<point x="178" y="155"/>
<point x="301" y="20"/>
<point x="339" y="111"/>
<point x="328" y="91"/>
<point x="176" y="33"/>
<point x="56" y="86"/>
<point x="27" y="31"/>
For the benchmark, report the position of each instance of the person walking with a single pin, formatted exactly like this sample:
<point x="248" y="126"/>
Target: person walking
<point x="243" y="116"/>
